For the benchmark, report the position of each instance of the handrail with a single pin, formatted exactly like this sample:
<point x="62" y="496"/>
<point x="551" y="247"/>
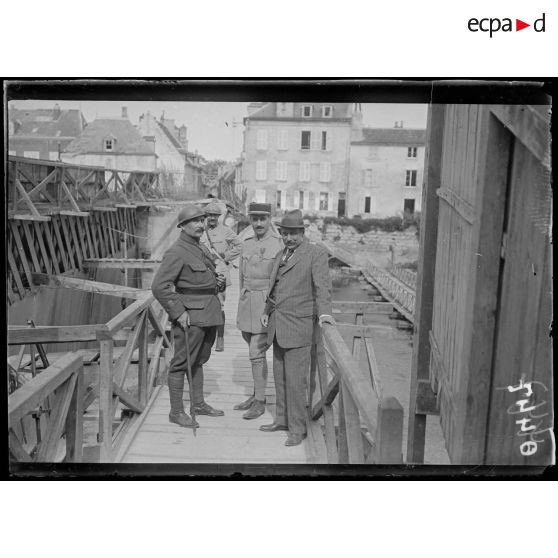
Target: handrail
<point x="61" y="387"/>
<point x="360" y="399"/>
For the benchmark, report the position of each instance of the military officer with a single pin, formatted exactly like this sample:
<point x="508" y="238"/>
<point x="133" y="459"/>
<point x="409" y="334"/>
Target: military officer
<point x="256" y="261"/>
<point x="186" y="285"/>
<point x="225" y="247"/>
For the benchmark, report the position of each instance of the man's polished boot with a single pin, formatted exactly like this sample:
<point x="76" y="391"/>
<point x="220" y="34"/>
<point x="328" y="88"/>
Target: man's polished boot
<point x="245" y="405"/>
<point x="177" y="414"/>
<point x="205" y="409"/>
<point x="256" y="410"/>
<point x="273" y="427"/>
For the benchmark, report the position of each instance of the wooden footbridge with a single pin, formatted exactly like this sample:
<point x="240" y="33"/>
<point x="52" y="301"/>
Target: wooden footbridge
<point x="88" y="372"/>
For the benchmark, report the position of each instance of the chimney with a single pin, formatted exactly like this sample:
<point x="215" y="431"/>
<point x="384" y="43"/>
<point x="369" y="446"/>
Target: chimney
<point x="124" y="112"/>
<point x="401" y="124"/>
<point x="396" y="124"/>
<point x="356" y="123"/>
<point x="56" y="112"/>
<point x="182" y="136"/>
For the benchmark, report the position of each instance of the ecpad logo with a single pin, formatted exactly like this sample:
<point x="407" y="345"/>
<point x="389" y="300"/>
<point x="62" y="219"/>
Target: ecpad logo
<point x="494" y="24"/>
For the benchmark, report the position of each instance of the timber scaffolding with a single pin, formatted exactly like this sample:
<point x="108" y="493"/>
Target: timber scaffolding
<point x="60" y="215"/>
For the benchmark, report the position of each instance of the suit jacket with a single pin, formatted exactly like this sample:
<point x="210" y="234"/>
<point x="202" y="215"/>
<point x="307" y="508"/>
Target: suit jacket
<point x="188" y="265"/>
<point x="302" y="293"/>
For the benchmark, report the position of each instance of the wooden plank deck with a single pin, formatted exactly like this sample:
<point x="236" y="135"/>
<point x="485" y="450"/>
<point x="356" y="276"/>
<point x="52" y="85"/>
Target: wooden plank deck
<point x="228" y="439"/>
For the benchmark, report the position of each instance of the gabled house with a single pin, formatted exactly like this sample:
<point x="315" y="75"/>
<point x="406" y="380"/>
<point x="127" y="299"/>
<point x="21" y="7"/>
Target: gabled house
<point x="113" y="143"/>
<point x="43" y="133"/>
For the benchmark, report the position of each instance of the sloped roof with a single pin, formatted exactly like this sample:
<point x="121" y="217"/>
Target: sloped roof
<point x="46" y="122"/>
<point x="128" y="139"/>
<point x="392" y="136"/>
<point x="267" y="111"/>
<point x="170" y="135"/>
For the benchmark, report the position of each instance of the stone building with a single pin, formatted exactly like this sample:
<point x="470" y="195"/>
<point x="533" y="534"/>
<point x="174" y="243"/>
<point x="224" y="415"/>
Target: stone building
<point x="42" y="133"/>
<point x="113" y="143"/>
<point x="319" y="158"/>
<point x="296" y="155"/>
<point x="386" y="170"/>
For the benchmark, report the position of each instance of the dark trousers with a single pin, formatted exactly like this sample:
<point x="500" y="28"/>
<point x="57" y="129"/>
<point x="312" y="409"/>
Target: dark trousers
<point x="291" y="370"/>
<point x="200" y="340"/>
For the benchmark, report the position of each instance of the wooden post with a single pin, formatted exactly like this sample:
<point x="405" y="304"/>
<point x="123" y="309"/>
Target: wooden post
<point x="142" y="360"/>
<point x="420" y="368"/>
<point x="352" y="425"/>
<point x="74" y="422"/>
<point x="389" y="436"/>
<point x="342" y="447"/>
<point x="105" y="399"/>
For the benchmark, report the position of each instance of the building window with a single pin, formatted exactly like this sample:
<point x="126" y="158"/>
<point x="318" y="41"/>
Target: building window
<point x="326" y="141"/>
<point x="327" y="111"/>
<point x="411" y="178"/>
<point x="325" y="171"/>
<point x="307" y="111"/>
<point x="368" y="178"/>
<point x="278" y="199"/>
<point x="260" y="196"/>
<point x="261" y="140"/>
<point x="409" y="206"/>
<point x="32" y="154"/>
<point x="304" y="171"/>
<point x="261" y="170"/>
<point x="367" y="204"/>
<point x="109" y="144"/>
<point x="305" y="139"/>
<point x="324" y="201"/>
<point x="283" y="139"/>
<point x="412" y="152"/>
<point x="281" y="170"/>
<point x="301" y="199"/>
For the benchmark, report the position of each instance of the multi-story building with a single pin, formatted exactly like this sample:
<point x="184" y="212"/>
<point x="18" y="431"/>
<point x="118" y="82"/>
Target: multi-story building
<point x="296" y="155"/>
<point x="180" y="170"/>
<point x="43" y="133"/>
<point x="319" y="158"/>
<point x="386" y="173"/>
<point x="113" y="143"/>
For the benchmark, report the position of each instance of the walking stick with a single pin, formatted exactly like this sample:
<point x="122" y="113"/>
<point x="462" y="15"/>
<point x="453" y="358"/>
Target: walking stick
<point x="189" y="373"/>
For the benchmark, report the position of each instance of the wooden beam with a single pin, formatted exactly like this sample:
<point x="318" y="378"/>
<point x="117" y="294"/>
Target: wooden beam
<point x="389" y="439"/>
<point x="51" y="334"/>
<point x="350" y="307"/>
<point x="129" y="400"/>
<point x="105" y="399"/>
<point x="29" y="395"/>
<point x="352" y="426"/>
<point x="26" y="199"/>
<point x="17" y="449"/>
<point x="24" y="217"/>
<point x="365" y="331"/>
<point x="328" y="396"/>
<point x="21" y="251"/>
<point x="158" y="326"/>
<point x="124" y="317"/>
<point x="120" y="263"/>
<point x="87" y="285"/>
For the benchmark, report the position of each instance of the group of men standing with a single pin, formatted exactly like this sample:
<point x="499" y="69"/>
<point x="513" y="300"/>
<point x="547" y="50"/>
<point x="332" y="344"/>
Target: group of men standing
<point x="285" y="289"/>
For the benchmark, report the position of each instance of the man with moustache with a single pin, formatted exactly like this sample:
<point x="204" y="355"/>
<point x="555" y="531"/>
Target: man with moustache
<point x="299" y="295"/>
<point x="186" y="284"/>
<point x="225" y="247"/>
<point x="256" y="261"/>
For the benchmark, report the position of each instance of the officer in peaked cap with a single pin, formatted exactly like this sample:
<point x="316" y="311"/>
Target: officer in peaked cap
<point x="256" y="261"/>
<point x="225" y="246"/>
<point x="186" y="284"/>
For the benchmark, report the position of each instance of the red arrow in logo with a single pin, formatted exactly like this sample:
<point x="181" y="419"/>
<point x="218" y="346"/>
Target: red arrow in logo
<point x="519" y="25"/>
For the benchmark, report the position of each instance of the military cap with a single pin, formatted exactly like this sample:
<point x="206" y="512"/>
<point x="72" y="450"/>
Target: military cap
<point x="256" y="208"/>
<point x="189" y="212"/>
<point x="212" y="209"/>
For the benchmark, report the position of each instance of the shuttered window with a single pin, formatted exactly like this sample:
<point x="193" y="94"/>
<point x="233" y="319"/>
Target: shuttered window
<point x="261" y="170"/>
<point x="261" y="140"/>
<point x="411" y="178"/>
<point x="305" y="138"/>
<point x="281" y="170"/>
<point x="260" y="195"/>
<point x="325" y="171"/>
<point x="283" y="139"/>
<point x="304" y="171"/>
<point x="324" y="201"/>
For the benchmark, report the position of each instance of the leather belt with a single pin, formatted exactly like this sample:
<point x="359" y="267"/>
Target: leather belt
<point x="208" y="291"/>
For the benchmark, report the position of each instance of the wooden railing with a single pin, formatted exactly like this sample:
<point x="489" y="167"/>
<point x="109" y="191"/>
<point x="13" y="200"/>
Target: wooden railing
<point x="392" y="288"/>
<point x="361" y="424"/>
<point x="121" y="341"/>
<point x="404" y="275"/>
<point x="54" y="399"/>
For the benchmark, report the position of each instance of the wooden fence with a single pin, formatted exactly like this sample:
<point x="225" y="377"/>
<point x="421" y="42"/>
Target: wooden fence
<point x="112" y="378"/>
<point x="361" y="423"/>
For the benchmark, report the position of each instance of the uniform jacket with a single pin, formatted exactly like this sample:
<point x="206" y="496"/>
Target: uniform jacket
<point x="255" y="266"/>
<point x="222" y="240"/>
<point x="302" y="292"/>
<point x="188" y="265"/>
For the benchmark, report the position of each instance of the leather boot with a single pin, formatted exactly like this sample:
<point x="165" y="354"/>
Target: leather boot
<point x="176" y="393"/>
<point x="183" y="419"/>
<point x="245" y="405"/>
<point x="256" y="410"/>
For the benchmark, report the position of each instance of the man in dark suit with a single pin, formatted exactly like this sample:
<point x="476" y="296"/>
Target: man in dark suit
<point x="186" y="285"/>
<point x="299" y="295"/>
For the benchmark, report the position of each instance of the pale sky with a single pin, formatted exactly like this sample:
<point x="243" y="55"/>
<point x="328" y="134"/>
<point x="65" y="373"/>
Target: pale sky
<point x="208" y="132"/>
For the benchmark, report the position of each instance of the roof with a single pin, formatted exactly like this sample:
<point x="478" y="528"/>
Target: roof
<point x="392" y="136"/>
<point x="170" y="135"/>
<point x="47" y="122"/>
<point x="269" y="112"/>
<point x="128" y="139"/>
